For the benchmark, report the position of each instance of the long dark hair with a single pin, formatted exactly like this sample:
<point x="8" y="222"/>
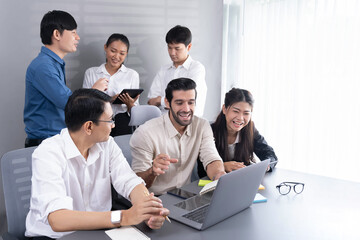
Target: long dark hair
<point x="245" y="147"/>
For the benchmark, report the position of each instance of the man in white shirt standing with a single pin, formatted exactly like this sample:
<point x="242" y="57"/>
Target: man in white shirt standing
<point x="179" y="44"/>
<point x="73" y="172"/>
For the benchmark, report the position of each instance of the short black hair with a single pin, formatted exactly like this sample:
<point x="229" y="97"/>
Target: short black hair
<point x="84" y="105"/>
<point x="118" y="37"/>
<point x="179" y="84"/>
<point x="55" y="20"/>
<point x="179" y="34"/>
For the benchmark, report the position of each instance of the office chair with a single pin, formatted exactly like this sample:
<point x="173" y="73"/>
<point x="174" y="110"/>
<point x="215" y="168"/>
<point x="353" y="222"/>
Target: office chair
<point x="16" y="173"/>
<point x="118" y="201"/>
<point x="123" y="141"/>
<point x="194" y="173"/>
<point x="142" y="113"/>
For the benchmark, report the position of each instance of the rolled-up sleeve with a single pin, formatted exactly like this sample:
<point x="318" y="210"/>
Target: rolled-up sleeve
<point x="48" y="187"/>
<point x="208" y="151"/>
<point x="141" y="151"/>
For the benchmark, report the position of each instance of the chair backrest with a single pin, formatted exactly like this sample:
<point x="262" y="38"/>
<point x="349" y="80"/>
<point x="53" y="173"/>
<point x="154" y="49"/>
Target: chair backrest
<point x="123" y="141"/>
<point x="142" y="113"/>
<point x="16" y="173"/>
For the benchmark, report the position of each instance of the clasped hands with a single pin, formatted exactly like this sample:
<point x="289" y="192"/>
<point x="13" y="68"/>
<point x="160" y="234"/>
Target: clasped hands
<point x="150" y="210"/>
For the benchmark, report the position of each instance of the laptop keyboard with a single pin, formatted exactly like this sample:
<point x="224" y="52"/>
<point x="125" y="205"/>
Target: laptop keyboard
<point x="197" y="215"/>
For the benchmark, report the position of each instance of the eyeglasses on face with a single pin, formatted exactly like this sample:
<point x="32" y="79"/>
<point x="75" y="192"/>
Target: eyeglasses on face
<point x="285" y="187"/>
<point x="112" y="121"/>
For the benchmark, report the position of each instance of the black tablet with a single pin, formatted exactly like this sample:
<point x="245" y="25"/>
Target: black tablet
<point x="132" y="93"/>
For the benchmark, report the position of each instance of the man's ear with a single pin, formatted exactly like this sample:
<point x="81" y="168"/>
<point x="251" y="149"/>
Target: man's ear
<point x="105" y="47"/>
<point x="167" y="104"/>
<point x="56" y="34"/>
<point x="189" y="46"/>
<point x="88" y="127"/>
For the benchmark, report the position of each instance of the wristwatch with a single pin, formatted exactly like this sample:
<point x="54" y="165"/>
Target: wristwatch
<point x="115" y="217"/>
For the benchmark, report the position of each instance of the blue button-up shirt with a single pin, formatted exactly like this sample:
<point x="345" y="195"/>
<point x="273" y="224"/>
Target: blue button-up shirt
<point x="46" y="95"/>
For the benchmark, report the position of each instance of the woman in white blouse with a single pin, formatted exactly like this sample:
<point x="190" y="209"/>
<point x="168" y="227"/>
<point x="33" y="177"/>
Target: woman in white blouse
<point x="117" y="77"/>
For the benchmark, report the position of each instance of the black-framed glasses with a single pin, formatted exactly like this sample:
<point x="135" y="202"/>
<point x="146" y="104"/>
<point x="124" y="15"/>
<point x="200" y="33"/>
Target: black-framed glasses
<point x="285" y="187"/>
<point x="112" y="121"/>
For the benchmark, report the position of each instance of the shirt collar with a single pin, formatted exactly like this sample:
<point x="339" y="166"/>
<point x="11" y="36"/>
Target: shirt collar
<point x="172" y="130"/>
<point x="71" y="151"/>
<point x="102" y="69"/>
<point x="185" y="65"/>
<point x="53" y="55"/>
<point x="187" y="62"/>
<point x="236" y="140"/>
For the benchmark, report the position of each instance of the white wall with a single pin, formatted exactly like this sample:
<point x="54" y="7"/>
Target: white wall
<point x="144" y="22"/>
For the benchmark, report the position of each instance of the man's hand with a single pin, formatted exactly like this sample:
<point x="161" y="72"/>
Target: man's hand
<point x="233" y="165"/>
<point x="156" y="222"/>
<point x="161" y="163"/>
<point x="150" y="209"/>
<point x="101" y="84"/>
<point x="155" y="101"/>
<point x="215" y="169"/>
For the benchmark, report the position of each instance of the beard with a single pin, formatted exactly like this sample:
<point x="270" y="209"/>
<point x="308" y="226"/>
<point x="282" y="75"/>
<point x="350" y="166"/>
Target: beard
<point x="178" y="120"/>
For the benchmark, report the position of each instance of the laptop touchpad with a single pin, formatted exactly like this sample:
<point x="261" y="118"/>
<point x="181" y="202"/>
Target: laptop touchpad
<point x="195" y="202"/>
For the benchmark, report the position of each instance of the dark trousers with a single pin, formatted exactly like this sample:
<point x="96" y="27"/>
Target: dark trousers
<point x="32" y="142"/>
<point x="41" y="238"/>
<point x="121" y="125"/>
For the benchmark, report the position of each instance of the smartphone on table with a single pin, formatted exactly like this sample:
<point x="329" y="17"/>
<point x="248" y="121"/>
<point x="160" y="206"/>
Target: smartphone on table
<point x="178" y="192"/>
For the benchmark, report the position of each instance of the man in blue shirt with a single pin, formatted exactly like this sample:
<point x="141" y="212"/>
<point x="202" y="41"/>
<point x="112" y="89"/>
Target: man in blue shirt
<point x="46" y="92"/>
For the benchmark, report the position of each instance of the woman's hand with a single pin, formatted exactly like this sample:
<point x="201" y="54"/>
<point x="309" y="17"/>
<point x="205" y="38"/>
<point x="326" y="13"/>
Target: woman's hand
<point x="129" y="101"/>
<point x="233" y="165"/>
<point x="113" y="98"/>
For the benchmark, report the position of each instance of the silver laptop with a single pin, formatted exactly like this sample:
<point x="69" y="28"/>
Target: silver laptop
<point x="234" y="192"/>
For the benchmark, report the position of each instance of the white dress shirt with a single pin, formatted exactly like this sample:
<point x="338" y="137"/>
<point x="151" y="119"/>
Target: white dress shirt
<point x="190" y="69"/>
<point x="124" y="78"/>
<point x="159" y="135"/>
<point x="63" y="179"/>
